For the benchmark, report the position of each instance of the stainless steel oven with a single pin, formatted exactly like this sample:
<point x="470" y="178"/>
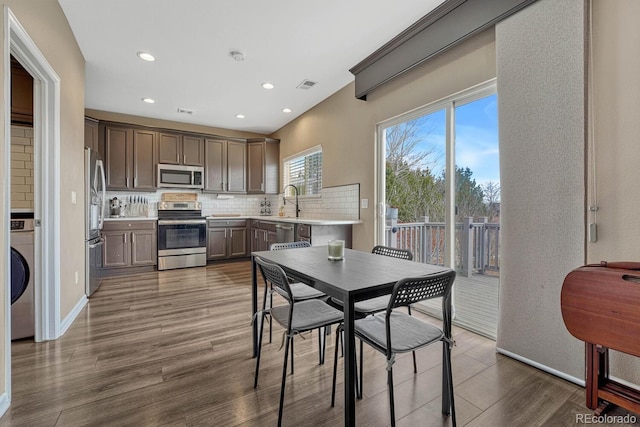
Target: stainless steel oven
<point x="182" y="235"/>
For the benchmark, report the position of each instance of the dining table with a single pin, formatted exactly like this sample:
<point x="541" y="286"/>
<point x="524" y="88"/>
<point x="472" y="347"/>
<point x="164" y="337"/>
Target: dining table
<point x="358" y="276"/>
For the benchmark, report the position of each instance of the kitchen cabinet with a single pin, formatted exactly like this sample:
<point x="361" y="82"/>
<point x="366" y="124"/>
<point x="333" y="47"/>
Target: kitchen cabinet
<point x="180" y="149"/>
<point x="21" y="94"/>
<point x="226" y="239"/>
<point x="266" y="233"/>
<point x="225" y="166"/>
<point x="129" y="244"/>
<point x="319" y="235"/>
<point x="263" y="160"/>
<point x="91" y="133"/>
<point x="130" y="157"/>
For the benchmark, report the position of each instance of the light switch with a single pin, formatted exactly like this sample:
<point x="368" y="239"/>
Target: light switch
<point x="364" y="203"/>
<point x="73" y="198"/>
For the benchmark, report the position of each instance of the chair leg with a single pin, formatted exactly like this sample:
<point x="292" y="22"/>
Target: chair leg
<point x="292" y="356"/>
<point x="335" y="366"/>
<point x="322" y="344"/>
<point x="415" y="365"/>
<point x="392" y="408"/>
<point x="448" y="404"/>
<point x="359" y="386"/>
<point x="284" y="380"/>
<point x="255" y="381"/>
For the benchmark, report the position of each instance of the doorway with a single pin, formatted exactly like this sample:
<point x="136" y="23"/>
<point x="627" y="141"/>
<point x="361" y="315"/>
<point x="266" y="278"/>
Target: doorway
<point x="439" y="184"/>
<point x="46" y="204"/>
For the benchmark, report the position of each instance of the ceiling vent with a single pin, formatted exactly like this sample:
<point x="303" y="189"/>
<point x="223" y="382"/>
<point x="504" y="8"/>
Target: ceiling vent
<point x="307" y="84"/>
<point x="185" y="111"/>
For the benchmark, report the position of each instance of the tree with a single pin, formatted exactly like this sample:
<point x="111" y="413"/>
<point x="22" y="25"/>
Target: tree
<point x="492" y="199"/>
<point x="469" y="195"/>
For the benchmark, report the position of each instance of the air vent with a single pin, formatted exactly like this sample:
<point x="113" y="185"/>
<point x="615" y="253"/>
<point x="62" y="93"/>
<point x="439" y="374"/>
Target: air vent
<point x="307" y="84"/>
<point x="185" y="111"/>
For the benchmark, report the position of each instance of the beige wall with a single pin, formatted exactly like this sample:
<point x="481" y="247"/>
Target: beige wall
<point x="616" y="85"/>
<point x="345" y="126"/>
<point x="47" y="26"/>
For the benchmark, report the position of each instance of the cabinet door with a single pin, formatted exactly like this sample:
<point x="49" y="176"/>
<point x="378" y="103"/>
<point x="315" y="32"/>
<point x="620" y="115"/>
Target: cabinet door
<point x="21" y="94"/>
<point x="91" y="133"/>
<point x="216" y="165"/>
<point x="116" y="249"/>
<point x="237" y="241"/>
<point x="169" y="148"/>
<point x="118" y="156"/>
<point x="192" y="150"/>
<point x="255" y="167"/>
<point x="144" y="249"/>
<point x="272" y="238"/>
<point x="236" y="167"/>
<point x="144" y="160"/>
<point x="217" y="243"/>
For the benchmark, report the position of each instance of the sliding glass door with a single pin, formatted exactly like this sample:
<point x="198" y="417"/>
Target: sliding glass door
<point x="439" y="196"/>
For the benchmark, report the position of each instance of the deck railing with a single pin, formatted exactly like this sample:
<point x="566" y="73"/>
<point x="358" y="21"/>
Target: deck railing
<point x="477" y="243"/>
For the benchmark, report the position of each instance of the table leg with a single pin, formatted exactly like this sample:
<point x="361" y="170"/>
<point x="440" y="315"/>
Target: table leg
<point x="349" y="364"/>
<point x="592" y="375"/>
<point x="254" y="305"/>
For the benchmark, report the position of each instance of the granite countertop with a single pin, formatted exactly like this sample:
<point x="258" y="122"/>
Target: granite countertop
<point x="275" y="218"/>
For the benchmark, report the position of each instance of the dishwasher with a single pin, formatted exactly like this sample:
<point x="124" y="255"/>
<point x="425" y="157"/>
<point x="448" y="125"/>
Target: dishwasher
<point x="285" y="233"/>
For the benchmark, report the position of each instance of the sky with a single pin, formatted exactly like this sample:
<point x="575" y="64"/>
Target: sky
<point x="476" y="145"/>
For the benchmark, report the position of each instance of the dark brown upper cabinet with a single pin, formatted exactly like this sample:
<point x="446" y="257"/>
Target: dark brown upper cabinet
<point x="91" y="133"/>
<point x="130" y="157"/>
<point x="21" y="95"/>
<point x="226" y="166"/>
<point x="263" y="171"/>
<point x="181" y="149"/>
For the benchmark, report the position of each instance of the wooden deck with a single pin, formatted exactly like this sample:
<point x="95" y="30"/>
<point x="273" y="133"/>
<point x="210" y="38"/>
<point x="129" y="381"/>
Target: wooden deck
<point x="475" y="304"/>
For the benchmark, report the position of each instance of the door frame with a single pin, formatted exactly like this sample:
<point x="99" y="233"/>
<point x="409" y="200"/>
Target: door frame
<point x="46" y="129"/>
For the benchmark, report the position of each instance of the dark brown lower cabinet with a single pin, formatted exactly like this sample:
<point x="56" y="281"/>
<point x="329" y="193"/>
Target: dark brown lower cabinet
<point x="130" y="244"/>
<point x="226" y="239"/>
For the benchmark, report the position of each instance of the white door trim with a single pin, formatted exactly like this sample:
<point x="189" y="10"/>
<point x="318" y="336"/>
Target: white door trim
<point x="46" y="180"/>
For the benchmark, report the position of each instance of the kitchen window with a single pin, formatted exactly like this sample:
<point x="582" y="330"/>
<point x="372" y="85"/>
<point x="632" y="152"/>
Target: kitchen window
<point x="304" y="170"/>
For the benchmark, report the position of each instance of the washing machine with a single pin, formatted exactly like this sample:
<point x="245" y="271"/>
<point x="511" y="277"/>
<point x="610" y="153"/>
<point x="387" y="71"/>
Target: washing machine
<point x="22" y="280"/>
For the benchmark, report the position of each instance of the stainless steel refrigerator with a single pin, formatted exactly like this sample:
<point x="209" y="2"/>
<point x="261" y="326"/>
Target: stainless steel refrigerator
<point x="94" y="196"/>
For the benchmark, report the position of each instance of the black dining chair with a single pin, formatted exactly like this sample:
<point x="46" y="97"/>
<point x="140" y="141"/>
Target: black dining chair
<point x="392" y="331"/>
<point x="296" y="317"/>
<point x="300" y="292"/>
<point x="378" y="304"/>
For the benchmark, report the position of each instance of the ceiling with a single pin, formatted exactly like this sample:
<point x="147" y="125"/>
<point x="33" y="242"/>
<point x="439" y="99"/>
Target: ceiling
<point x="284" y="42"/>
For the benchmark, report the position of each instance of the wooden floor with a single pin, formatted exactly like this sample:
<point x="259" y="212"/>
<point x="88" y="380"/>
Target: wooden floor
<point x="173" y="348"/>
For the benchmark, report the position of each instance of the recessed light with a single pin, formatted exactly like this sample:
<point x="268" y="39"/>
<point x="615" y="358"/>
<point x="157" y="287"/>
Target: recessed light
<point x="149" y="100"/>
<point x="146" y="56"/>
<point x="267" y="86"/>
<point x="286" y="110"/>
<point x="239" y="116"/>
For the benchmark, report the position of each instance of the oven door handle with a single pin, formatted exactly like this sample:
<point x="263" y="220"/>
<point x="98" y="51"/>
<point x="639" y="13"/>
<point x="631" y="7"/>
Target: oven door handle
<point x="181" y="221"/>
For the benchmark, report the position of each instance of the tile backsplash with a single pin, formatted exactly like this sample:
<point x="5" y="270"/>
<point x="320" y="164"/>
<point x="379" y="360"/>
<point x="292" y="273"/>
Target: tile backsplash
<point x="335" y="203"/>
<point x="21" y="167"/>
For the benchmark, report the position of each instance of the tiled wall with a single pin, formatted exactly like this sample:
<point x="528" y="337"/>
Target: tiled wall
<point x="336" y="203"/>
<point x="21" y="167"/>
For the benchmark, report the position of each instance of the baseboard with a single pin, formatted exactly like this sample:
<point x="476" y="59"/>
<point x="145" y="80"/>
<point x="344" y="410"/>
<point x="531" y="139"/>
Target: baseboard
<point x="4" y="404"/>
<point x="68" y="321"/>
<point x="542" y="367"/>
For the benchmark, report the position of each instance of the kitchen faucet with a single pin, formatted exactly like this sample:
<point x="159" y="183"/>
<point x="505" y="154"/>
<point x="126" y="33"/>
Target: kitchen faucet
<point x="284" y="200"/>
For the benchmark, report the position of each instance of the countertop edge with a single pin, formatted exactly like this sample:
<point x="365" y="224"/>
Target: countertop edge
<point x="309" y="221"/>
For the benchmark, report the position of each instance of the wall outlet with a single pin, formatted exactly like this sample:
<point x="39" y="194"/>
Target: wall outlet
<point x="77" y="278"/>
<point x="74" y="199"/>
<point x="364" y="203"/>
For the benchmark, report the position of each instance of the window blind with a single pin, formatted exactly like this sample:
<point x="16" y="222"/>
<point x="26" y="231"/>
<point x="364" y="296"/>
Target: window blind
<point x="304" y="170"/>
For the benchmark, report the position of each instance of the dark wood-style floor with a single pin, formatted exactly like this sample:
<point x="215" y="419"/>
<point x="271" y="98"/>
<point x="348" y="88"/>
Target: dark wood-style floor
<point x="173" y="348"/>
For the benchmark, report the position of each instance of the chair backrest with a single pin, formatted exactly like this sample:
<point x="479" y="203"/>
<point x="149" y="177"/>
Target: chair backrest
<point x="413" y="289"/>
<point x="275" y="275"/>
<point x="393" y="252"/>
<point x="290" y="245"/>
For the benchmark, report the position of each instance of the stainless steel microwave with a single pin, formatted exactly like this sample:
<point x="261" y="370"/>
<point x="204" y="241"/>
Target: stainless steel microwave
<point x="176" y="176"/>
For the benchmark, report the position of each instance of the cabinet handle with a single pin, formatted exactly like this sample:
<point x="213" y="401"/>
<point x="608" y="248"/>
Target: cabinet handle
<point x="222" y="185"/>
<point x="135" y="182"/>
<point x="133" y="238"/>
<point x="231" y="234"/>
<point x="177" y="158"/>
<point x="225" y="233"/>
<point x="184" y="159"/>
<point x="262" y="186"/>
<point x="125" y="238"/>
<point x="127" y="181"/>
